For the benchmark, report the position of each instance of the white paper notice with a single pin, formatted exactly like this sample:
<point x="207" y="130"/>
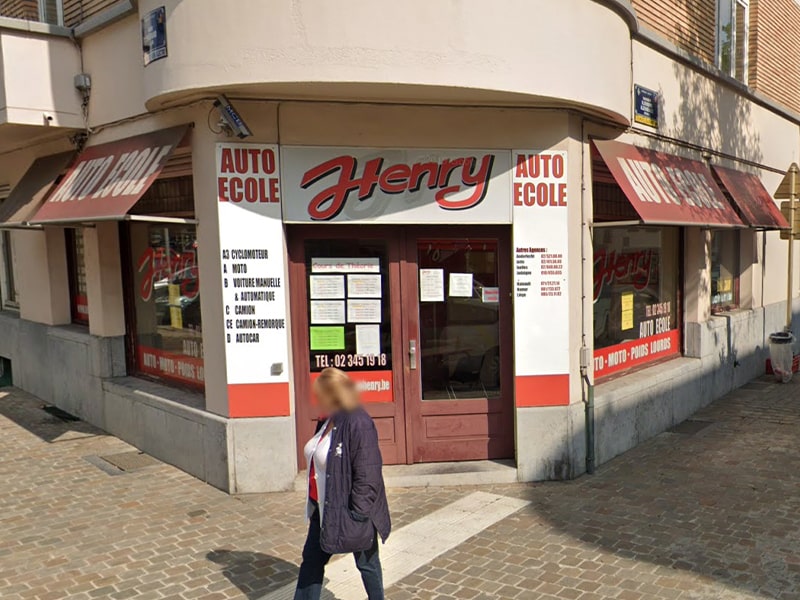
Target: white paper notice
<point x="364" y="286"/>
<point x="345" y="265"/>
<point x="327" y="312"/>
<point x="368" y="340"/>
<point x="363" y="311"/>
<point x="461" y="285"/>
<point x="326" y="287"/>
<point x="431" y="285"/>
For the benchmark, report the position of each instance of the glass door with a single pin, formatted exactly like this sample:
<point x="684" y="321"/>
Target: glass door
<point x="345" y="295"/>
<point x="459" y="403"/>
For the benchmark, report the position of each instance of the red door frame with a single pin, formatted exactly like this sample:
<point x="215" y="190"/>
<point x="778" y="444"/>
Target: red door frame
<point x="298" y="290"/>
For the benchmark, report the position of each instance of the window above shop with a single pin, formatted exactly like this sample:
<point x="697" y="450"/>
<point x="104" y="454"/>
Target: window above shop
<point x="733" y="29"/>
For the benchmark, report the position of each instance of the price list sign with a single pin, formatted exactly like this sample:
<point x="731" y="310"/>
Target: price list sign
<point x="541" y="300"/>
<point x="252" y="266"/>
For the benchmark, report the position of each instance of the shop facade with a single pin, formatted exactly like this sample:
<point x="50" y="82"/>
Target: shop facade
<point x="481" y="271"/>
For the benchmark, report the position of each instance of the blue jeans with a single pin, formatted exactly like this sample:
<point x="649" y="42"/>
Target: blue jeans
<point x="312" y="569"/>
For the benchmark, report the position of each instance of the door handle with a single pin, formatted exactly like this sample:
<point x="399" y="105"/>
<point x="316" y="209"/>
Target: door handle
<point x="412" y="354"/>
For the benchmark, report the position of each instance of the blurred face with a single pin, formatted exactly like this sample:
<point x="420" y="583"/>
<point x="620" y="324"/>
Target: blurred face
<point x="326" y="401"/>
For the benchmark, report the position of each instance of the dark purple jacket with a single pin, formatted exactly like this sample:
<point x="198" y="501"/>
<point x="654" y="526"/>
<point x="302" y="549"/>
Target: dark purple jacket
<point x="355" y="496"/>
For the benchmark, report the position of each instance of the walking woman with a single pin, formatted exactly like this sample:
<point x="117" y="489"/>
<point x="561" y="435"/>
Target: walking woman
<point x="346" y="504"/>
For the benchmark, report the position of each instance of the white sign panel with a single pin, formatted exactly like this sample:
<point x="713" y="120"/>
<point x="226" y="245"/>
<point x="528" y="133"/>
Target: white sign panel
<point x="460" y="285"/>
<point x="327" y="312"/>
<point x="368" y="340"/>
<point x="364" y="286"/>
<point x="329" y="184"/>
<point x="252" y="264"/>
<point x="541" y="296"/>
<point x="325" y="287"/>
<point x="431" y="285"/>
<point x="345" y="265"/>
<point x="363" y="311"/>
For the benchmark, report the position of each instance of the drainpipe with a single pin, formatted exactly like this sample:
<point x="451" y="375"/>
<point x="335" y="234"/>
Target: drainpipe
<point x="587" y="390"/>
<point x="790" y="275"/>
<point x="589" y="414"/>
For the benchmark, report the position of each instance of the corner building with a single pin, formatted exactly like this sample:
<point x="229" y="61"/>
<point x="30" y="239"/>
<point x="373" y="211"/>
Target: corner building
<point x="486" y="217"/>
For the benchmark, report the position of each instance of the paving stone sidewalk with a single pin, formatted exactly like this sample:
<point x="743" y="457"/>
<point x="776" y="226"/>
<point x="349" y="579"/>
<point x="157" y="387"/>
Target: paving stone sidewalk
<point x="710" y="513"/>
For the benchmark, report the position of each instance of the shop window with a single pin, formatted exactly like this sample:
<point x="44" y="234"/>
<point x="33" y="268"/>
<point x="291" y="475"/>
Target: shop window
<point x="8" y="279"/>
<point x="460" y="333"/>
<point x="725" y="246"/>
<point x="732" y="37"/>
<point x="167" y="328"/>
<point x="76" y="266"/>
<point x="636" y="282"/>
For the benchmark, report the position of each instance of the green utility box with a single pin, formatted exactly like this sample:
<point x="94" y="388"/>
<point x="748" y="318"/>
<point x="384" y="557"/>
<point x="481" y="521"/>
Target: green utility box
<point x="5" y="372"/>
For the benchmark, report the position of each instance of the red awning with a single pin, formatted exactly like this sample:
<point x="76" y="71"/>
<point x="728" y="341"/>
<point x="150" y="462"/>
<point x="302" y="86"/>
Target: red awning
<point x="665" y="189"/>
<point x="32" y="189"/>
<point x="754" y="202"/>
<point x="108" y="179"/>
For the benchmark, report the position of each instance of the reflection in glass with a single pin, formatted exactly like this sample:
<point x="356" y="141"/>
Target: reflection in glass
<point x="167" y="302"/>
<point x="460" y="336"/>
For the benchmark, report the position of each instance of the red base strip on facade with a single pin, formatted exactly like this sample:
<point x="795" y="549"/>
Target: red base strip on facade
<point x="542" y="390"/>
<point x="258" y="400"/>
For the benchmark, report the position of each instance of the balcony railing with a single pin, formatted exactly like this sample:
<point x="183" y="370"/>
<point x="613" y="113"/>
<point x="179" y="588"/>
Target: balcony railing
<point x="43" y="11"/>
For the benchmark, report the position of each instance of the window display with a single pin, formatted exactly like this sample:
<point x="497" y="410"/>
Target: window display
<point x="76" y="264"/>
<point x="636" y="274"/>
<point x="724" y="271"/>
<point x="168" y="334"/>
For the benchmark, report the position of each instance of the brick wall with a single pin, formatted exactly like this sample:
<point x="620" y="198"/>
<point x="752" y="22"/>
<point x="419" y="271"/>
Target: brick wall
<point x="775" y="50"/>
<point x="20" y="9"/>
<point x="689" y="24"/>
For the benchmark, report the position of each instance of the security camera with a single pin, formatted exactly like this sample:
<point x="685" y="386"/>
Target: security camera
<point x="231" y="119"/>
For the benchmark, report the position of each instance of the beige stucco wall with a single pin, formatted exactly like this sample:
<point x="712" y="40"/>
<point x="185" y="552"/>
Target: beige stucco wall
<point x="113" y="57"/>
<point x="461" y="51"/>
<point x="37" y="80"/>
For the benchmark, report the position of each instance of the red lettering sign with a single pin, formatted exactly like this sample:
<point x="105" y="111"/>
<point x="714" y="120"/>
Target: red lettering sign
<point x="624" y="268"/>
<point x="470" y="173"/>
<point x="635" y="353"/>
<point x="178" y="367"/>
<point x="246" y="175"/>
<point x="108" y="179"/>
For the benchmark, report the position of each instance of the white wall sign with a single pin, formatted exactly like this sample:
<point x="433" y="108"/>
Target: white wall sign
<point x="431" y="285"/>
<point x="328" y="184"/>
<point x="252" y="264"/>
<point x="541" y="297"/>
<point x="325" y="287"/>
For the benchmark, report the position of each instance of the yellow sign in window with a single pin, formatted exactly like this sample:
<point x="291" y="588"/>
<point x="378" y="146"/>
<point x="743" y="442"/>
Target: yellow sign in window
<point x="627" y="312"/>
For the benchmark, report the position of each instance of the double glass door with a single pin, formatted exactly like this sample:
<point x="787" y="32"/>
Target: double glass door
<point x="420" y="319"/>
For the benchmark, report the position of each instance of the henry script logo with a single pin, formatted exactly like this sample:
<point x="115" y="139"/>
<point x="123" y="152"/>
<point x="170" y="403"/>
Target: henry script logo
<point x="460" y="183"/>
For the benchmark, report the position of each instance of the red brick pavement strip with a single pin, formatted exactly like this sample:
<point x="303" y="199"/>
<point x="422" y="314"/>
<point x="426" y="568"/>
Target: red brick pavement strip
<point x="710" y="515"/>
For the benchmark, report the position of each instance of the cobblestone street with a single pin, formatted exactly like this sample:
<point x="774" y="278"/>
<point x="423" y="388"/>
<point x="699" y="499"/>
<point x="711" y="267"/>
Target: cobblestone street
<point x="711" y="510"/>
